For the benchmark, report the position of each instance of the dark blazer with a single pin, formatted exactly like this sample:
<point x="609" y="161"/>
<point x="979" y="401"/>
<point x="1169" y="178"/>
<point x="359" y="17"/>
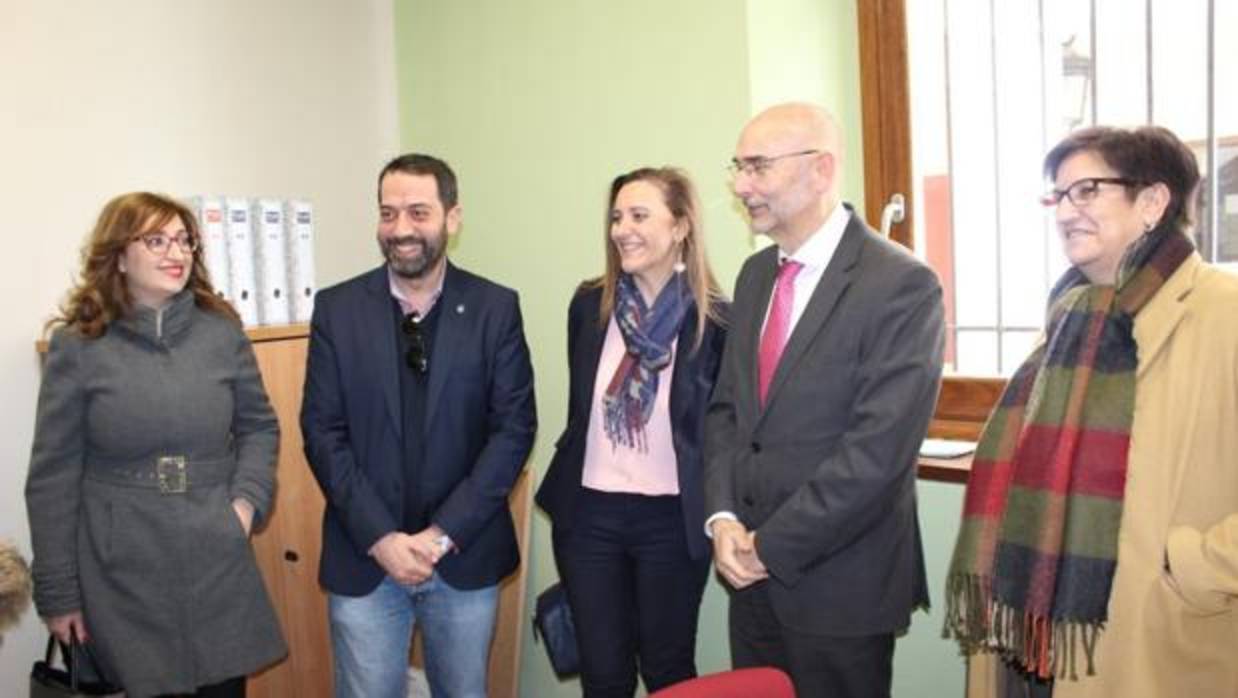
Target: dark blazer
<point x="826" y="472"/>
<point x="480" y="423"/>
<point x="691" y="386"/>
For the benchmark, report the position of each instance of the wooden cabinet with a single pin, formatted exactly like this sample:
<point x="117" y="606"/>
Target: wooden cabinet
<point x="288" y="546"/>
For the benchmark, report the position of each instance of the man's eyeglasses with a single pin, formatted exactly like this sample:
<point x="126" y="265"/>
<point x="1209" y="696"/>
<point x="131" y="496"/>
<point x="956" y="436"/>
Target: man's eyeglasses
<point x="417" y="357"/>
<point x="759" y="165"/>
<point x="1083" y="191"/>
<point x="159" y="243"/>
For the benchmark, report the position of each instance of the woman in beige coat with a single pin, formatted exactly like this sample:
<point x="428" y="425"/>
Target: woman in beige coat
<point x="1098" y="554"/>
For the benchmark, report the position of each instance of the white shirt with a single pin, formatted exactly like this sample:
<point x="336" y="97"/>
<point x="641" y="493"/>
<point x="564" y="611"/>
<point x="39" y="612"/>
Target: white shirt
<point x="815" y="254"/>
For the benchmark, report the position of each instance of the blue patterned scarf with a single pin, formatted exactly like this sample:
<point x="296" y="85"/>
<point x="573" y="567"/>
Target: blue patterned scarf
<point x="647" y="335"/>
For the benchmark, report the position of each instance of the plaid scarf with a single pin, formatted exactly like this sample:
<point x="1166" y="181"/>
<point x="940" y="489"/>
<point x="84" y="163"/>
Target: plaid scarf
<point x="647" y="335"/>
<point x="1037" y="549"/>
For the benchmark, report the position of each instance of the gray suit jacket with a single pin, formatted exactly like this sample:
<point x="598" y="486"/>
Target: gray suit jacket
<point x="826" y="472"/>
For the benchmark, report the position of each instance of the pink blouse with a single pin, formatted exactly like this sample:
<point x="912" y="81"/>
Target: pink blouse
<point x="615" y="468"/>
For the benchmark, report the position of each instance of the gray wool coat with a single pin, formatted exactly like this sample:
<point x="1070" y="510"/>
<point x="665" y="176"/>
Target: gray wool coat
<point x="166" y="579"/>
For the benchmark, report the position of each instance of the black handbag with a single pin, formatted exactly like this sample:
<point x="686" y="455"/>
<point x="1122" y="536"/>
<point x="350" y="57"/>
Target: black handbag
<point x="78" y="678"/>
<point x="552" y="620"/>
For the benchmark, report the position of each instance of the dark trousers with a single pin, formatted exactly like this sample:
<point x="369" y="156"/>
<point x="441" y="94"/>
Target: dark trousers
<point x="230" y="688"/>
<point x="634" y="591"/>
<point x="820" y="666"/>
<point x="1016" y="683"/>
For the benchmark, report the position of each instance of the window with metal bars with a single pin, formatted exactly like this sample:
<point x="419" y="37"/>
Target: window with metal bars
<point x="991" y="85"/>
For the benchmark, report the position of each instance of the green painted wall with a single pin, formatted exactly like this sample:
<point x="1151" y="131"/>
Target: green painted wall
<point x="538" y="104"/>
<point x="925" y="665"/>
<point x="809" y="50"/>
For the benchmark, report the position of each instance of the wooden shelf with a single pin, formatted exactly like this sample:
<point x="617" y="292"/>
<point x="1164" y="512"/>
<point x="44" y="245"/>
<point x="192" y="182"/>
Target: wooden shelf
<point x="272" y="333"/>
<point x="954" y="470"/>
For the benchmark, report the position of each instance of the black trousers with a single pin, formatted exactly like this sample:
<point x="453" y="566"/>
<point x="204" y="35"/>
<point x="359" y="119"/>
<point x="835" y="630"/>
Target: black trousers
<point x="820" y="666"/>
<point x="1013" y="682"/>
<point x="634" y="591"/>
<point x="230" y="688"/>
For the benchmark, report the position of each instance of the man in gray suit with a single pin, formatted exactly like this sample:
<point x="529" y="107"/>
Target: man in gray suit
<point x="827" y="384"/>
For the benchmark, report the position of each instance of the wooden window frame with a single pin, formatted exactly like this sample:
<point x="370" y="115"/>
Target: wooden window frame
<point x="965" y="402"/>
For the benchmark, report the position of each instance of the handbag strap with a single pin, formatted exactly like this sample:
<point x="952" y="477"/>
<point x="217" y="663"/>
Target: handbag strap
<point x="69" y="658"/>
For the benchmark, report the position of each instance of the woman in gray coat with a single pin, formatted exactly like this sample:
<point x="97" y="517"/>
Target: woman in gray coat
<point x="153" y="457"/>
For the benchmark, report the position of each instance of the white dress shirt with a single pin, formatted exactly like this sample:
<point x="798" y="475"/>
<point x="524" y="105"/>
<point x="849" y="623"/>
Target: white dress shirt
<point x="815" y="254"/>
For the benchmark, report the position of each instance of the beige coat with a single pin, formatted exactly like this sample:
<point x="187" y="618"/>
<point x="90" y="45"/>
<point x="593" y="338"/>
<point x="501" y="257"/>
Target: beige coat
<point x="1175" y="634"/>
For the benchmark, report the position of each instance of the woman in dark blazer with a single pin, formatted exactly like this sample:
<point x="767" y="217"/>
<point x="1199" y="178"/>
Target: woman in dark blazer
<point x="153" y="457"/>
<point x="624" y="490"/>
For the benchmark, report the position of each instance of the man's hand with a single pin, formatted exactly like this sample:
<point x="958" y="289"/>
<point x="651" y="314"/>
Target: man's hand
<point x="752" y="559"/>
<point x="397" y="555"/>
<point x="62" y="626"/>
<point x="245" y="512"/>
<point x="426" y="544"/>
<point x="735" y="554"/>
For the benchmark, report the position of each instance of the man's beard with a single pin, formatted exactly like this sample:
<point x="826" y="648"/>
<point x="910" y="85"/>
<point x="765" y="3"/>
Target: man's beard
<point x="432" y="250"/>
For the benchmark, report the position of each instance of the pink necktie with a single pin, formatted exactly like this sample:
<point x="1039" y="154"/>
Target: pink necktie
<point x="774" y="339"/>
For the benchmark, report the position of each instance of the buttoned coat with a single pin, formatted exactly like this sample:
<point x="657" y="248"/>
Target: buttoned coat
<point x="825" y="471"/>
<point x="1174" y="632"/>
<point x="167" y="583"/>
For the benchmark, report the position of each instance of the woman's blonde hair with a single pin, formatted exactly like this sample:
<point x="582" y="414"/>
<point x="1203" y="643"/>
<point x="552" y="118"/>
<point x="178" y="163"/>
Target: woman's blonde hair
<point x="681" y="200"/>
<point x="100" y="294"/>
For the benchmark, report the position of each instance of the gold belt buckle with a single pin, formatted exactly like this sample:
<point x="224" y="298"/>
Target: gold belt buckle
<point x="171" y="473"/>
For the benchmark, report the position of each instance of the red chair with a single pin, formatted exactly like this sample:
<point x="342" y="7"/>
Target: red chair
<point x="762" y="682"/>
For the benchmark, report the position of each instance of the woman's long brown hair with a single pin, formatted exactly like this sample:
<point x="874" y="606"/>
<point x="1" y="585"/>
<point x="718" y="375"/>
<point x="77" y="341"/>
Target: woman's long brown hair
<point x="681" y="200"/>
<point x="100" y="294"/>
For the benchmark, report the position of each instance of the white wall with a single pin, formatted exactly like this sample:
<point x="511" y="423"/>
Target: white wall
<point x="279" y="98"/>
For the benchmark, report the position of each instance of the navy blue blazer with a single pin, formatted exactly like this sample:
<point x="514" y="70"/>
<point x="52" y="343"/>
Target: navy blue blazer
<point x="480" y="424"/>
<point x="691" y="386"/>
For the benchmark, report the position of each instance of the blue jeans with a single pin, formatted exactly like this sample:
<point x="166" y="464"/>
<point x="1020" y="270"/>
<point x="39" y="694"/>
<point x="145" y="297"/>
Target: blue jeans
<point x="370" y="636"/>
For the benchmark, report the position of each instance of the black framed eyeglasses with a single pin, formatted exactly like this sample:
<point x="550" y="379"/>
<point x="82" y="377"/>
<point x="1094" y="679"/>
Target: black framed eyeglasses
<point x="759" y="165"/>
<point x="418" y="356"/>
<point x="1082" y="192"/>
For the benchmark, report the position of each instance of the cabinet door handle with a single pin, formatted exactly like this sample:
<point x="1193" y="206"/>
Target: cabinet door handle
<point x="291" y="555"/>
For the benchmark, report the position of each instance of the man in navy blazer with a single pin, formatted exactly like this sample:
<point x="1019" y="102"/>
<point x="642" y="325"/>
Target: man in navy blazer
<point x="418" y="416"/>
<point x="827" y="384"/>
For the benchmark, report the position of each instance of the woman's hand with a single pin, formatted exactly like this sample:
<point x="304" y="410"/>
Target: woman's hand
<point x="68" y="626"/>
<point x="245" y="512"/>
